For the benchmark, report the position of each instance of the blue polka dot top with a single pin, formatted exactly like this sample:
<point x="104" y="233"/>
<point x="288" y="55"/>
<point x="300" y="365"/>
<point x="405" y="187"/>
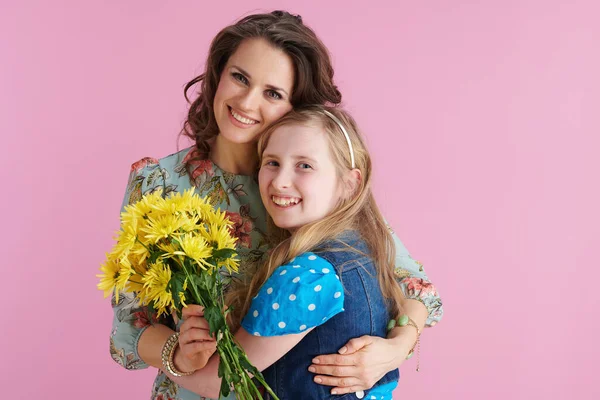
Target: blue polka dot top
<point x="299" y="295"/>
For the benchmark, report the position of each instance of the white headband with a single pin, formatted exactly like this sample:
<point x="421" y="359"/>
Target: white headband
<point x="339" y="123"/>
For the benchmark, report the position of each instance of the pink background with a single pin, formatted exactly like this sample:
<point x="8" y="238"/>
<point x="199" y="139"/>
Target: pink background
<point x="484" y="120"/>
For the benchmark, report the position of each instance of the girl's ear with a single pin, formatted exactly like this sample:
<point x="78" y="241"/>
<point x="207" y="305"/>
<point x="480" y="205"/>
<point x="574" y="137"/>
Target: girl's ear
<point x="352" y="181"/>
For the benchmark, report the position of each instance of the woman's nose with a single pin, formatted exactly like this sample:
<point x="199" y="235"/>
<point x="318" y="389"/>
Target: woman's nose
<point x="250" y="101"/>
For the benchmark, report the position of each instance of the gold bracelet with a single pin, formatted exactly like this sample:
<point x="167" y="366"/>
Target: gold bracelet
<point x="167" y="353"/>
<point x="405" y="320"/>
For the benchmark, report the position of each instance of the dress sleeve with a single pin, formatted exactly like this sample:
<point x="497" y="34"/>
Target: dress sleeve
<point x="129" y="319"/>
<point x="415" y="284"/>
<point x="299" y="295"/>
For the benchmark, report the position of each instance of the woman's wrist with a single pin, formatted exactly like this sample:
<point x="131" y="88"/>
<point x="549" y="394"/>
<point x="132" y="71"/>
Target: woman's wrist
<point x="403" y="339"/>
<point x="179" y="361"/>
<point x="406" y="334"/>
<point x="168" y="355"/>
<point x="151" y="342"/>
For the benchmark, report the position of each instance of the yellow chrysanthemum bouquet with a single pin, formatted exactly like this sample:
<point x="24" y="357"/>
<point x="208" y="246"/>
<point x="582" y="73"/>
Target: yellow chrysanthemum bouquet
<point x="169" y="252"/>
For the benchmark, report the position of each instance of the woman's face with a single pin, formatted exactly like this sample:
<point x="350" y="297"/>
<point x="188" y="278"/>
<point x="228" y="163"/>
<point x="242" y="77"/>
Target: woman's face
<point x="254" y="90"/>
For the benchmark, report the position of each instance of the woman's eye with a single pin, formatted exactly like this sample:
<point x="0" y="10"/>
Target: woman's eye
<point x="239" y="77"/>
<point x="304" y="166"/>
<point x="272" y="164"/>
<point x="274" y="95"/>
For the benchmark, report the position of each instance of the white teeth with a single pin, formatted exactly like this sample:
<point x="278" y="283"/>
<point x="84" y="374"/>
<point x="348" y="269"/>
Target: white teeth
<point x="243" y="120"/>
<point x="280" y="201"/>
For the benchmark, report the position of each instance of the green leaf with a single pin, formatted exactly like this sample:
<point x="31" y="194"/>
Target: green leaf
<point x="216" y="321"/>
<point x="221" y="370"/>
<point x="223" y="254"/>
<point x="245" y="363"/>
<point x="237" y="378"/>
<point x="224" y="388"/>
<point x="175" y="287"/>
<point x="151" y="308"/>
<point x="154" y="255"/>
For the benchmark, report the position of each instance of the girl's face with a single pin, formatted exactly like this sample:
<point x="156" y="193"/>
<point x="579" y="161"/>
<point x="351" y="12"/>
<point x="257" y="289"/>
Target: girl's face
<point x="298" y="180"/>
<point x="254" y="90"/>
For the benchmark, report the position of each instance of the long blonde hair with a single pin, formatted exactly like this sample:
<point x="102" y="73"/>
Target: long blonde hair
<point x="358" y="212"/>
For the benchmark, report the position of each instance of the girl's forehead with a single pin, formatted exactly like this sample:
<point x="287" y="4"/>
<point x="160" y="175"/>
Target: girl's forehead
<point x="303" y="132"/>
<point x="298" y="139"/>
<point x="302" y="127"/>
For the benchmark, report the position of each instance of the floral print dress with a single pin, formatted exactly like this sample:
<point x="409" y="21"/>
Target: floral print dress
<point x="239" y="196"/>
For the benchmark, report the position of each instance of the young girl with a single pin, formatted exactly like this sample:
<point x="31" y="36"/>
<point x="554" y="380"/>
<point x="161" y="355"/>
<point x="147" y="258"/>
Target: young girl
<point x="330" y="278"/>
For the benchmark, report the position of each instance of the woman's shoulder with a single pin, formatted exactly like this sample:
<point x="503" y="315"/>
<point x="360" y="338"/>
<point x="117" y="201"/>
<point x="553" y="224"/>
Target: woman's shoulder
<point x="172" y="161"/>
<point x="148" y="174"/>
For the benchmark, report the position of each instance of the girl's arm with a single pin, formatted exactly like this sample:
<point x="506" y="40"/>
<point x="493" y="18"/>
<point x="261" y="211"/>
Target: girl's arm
<point x="262" y="352"/>
<point x="272" y="326"/>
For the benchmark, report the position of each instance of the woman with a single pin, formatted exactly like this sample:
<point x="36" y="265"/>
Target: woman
<point x="257" y="70"/>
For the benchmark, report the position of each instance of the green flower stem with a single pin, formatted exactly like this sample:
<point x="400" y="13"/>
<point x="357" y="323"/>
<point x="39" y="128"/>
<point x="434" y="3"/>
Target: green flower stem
<point x="229" y="358"/>
<point x="248" y="384"/>
<point x="245" y="388"/>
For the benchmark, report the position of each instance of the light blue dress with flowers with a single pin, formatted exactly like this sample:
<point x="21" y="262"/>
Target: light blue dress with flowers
<point x="239" y="196"/>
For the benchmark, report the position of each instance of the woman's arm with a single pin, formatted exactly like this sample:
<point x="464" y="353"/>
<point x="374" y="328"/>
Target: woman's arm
<point x="130" y="323"/>
<point x="365" y="360"/>
<point x="415" y="284"/>
<point x="137" y="338"/>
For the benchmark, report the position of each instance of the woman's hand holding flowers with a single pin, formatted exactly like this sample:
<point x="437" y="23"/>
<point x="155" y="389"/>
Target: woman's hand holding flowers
<point x="196" y="346"/>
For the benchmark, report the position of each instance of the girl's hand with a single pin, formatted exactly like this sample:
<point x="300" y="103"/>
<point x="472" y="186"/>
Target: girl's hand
<point x="196" y="346"/>
<point x="359" y="365"/>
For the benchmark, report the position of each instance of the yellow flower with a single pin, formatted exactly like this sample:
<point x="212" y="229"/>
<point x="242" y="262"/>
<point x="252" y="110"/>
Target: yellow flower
<point x="144" y="207"/>
<point x="131" y="219"/>
<point x="182" y="202"/>
<point x="231" y="264"/>
<point x="109" y="277"/>
<point x="179" y="227"/>
<point x="156" y="282"/>
<point x="125" y="272"/>
<point x="140" y="253"/>
<point x="190" y="222"/>
<point x="218" y="218"/>
<point x="182" y="299"/>
<point x="196" y="248"/>
<point x="135" y="284"/>
<point x="161" y="227"/>
<point x="182" y="294"/>
<point x="126" y="239"/>
<point x="219" y="237"/>
<point x="195" y="202"/>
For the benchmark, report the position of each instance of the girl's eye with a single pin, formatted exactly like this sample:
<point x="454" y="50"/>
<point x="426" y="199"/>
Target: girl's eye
<point x="274" y="95"/>
<point x="304" y="166"/>
<point x="271" y="163"/>
<point x="240" y="78"/>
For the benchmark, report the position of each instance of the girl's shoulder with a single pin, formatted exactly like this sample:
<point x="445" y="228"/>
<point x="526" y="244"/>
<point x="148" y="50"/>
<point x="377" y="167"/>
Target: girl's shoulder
<point x="299" y="295"/>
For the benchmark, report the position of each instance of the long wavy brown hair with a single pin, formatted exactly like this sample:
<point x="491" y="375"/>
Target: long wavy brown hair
<point x="358" y="212"/>
<point x="312" y="66"/>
